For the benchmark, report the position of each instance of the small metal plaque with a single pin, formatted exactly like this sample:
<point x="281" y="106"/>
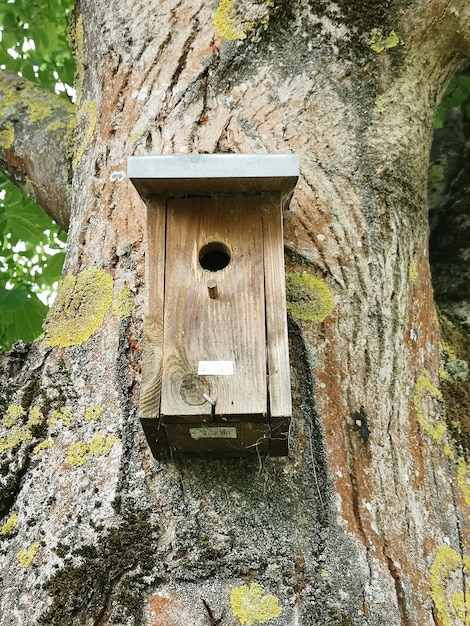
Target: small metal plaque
<point x="214" y="432"/>
<point x="215" y="368"/>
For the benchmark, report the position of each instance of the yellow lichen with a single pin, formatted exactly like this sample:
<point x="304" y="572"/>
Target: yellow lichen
<point x="425" y="389"/>
<point x="12" y="414"/>
<point x="461" y="604"/>
<point x="7" y="136"/>
<point x="57" y="125"/>
<point x="446" y="563"/>
<point x="85" y="127"/>
<point x="101" y="446"/>
<point x="463" y="479"/>
<point x="19" y="433"/>
<point x="379" y="42"/>
<point x="251" y="604"/>
<point x="124" y="306"/>
<point x="26" y="556"/>
<point x="449" y="452"/>
<point x="35" y="417"/>
<point x="308" y="297"/>
<point x="39" y="111"/>
<point x="139" y="134"/>
<point x="63" y="414"/>
<point x="9" y="525"/>
<point x="14" y="438"/>
<point x="79" y="309"/>
<point x="79" y="58"/>
<point x="93" y="413"/>
<point x="38" y="103"/>
<point x="77" y="454"/>
<point x="225" y="22"/>
<point x="44" y="445"/>
<point x="413" y="271"/>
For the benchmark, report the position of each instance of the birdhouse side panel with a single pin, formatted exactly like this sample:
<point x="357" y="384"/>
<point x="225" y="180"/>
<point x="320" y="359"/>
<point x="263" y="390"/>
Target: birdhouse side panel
<point x="276" y="310"/>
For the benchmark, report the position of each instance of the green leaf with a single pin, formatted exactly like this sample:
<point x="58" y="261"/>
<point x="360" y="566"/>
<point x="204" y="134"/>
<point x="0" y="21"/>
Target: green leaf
<point x="11" y="299"/>
<point x="51" y="272"/>
<point x="10" y="20"/>
<point x="458" y="90"/>
<point x="25" y="323"/>
<point x="26" y="233"/>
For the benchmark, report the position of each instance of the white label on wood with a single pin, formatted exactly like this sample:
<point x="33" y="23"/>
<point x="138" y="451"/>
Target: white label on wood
<point x="215" y="368"/>
<point x="213" y="432"/>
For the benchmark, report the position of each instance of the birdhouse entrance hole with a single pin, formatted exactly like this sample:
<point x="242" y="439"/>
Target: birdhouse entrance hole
<point x="215" y="370"/>
<point x="214" y="256"/>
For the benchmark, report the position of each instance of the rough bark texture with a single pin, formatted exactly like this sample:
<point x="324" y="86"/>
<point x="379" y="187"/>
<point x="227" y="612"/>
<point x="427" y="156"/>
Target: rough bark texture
<point x="366" y="522"/>
<point x="36" y="128"/>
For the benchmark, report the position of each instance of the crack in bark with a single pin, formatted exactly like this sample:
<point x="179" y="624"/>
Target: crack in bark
<point x="181" y="64"/>
<point x="353" y="482"/>
<point x="462" y="551"/>
<point x="399" y="589"/>
<point x="102" y="618"/>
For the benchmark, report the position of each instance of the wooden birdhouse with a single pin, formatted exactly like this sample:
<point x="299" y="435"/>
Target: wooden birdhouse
<point x="215" y="378"/>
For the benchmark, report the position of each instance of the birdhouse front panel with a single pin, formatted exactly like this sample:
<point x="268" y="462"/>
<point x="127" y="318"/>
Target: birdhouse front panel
<point x="214" y="342"/>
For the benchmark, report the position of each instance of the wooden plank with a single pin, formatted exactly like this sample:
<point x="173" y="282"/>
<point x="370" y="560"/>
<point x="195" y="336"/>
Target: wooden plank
<point x="276" y="314"/>
<point x="218" y="440"/>
<point x="152" y="345"/>
<point x="229" y="329"/>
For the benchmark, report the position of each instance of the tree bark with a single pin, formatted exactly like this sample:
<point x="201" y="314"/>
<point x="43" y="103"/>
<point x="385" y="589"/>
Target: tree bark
<point x="35" y="137"/>
<point x="366" y="521"/>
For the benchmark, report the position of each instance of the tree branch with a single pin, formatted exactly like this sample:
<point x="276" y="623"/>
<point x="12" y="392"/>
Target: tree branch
<point x="35" y="131"/>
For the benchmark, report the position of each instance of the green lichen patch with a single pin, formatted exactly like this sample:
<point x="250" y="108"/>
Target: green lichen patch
<point x="251" y="605"/>
<point x="37" y="103"/>
<point x="234" y="20"/>
<point x="225" y="23"/>
<point x="81" y="452"/>
<point x="9" y="525"/>
<point x="413" y="271"/>
<point x="77" y="454"/>
<point x="39" y="111"/>
<point x="62" y="414"/>
<point x="26" y="556"/>
<point x="379" y="41"/>
<point x="44" y="445"/>
<point x="35" y="417"/>
<point x="85" y="129"/>
<point x="448" y="564"/>
<point x="426" y="393"/>
<point x="13" y="413"/>
<point x="7" y="136"/>
<point x="308" y="297"/>
<point x="80" y="307"/>
<point x="101" y="445"/>
<point x="463" y="479"/>
<point x="124" y="305"/>
<point x="16" y="436"/>
<point x="93" y="413"/>
<point x="16" y="430"/>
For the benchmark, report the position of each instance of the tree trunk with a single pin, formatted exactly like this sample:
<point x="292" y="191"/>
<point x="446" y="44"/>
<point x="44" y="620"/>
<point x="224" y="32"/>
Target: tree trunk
<point x="366" y="521"/>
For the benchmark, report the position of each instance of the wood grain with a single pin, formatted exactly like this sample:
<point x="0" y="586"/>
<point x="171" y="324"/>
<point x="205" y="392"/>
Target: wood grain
<point x="228" y="328"/>
<point x="276" y="314"/>
<point x="149" y="403"/>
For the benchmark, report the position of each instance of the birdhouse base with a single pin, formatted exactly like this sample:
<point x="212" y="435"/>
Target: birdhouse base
<point x="228" y="438"/>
